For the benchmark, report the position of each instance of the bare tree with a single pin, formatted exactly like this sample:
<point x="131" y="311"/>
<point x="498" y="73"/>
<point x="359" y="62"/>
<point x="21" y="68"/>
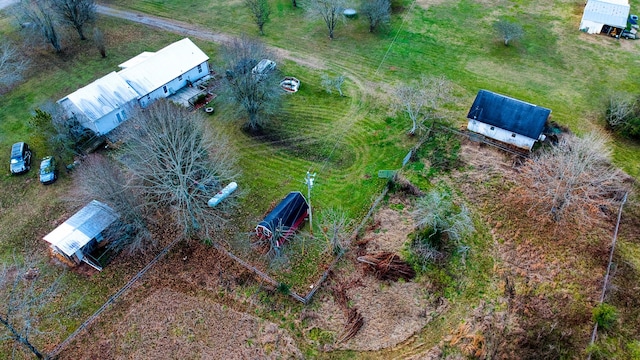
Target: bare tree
<point x="76" y="13"/>
<point x="40" y="17"/>
<point x="23" y="303"/>
<point x="421" y="100"/>
<point x="571" y="182"/>
<point x="260" y="11"/>
<point x="102" y="179"/>
<point x="181" y="164"/>
<point x="98" y="40"/>
<point x="12" y="65"/>
<point x="508" y="30"/>
<point x="255" y="95"/>
<point x="620" y="109"/>
<point x="377" y="12"/>
<point x="330" y="11"/>
<point x="334" y="225"/>
<point x="330" y="83"/>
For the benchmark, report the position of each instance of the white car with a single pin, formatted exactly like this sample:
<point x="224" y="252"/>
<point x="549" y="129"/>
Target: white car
<point x="264" y="67"/>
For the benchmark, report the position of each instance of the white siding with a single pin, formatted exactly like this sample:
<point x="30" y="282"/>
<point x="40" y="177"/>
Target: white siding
<point x="502" y="135"/>
<point x="176" y="84"/>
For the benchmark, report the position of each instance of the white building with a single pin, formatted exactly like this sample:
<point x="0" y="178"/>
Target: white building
<point x="102" y="105"/>
<point x="72" y="241"/>
<point x="507" y="120"/>
<point x="605" y="16"/>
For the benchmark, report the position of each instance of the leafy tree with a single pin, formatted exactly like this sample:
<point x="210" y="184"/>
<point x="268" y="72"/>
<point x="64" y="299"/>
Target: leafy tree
<point x="180" y="165"/>
<point x="571" y="182"/>
<point x="57" y="132"/>
<point x="508" y="30"/>
<point x="377" y="12"/>
<point x="260" y="11"/>
<point x="75" y="13"/>
<point x="22" y="303"/>
<point x="422" y="99"/>
<point x="40" y="17"/>
<point x="330" y="11"/>
<point x="257" y="96"/>
<point x="102" y="179"/>
<point x="12" y="66"/>
<point x="331" y="83"/>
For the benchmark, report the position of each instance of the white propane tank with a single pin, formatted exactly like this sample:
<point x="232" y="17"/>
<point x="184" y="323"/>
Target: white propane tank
<point x="222" y="194"/>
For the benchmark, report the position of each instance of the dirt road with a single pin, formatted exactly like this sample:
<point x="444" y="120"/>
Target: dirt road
<point x="195" y="31"/>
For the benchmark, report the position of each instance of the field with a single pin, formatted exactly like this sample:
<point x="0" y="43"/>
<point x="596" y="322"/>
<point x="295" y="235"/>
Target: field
<point x="455" y="310"/>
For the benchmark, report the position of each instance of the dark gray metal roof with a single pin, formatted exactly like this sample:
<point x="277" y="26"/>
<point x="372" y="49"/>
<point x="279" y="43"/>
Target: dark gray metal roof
<point x="508" y="113"/>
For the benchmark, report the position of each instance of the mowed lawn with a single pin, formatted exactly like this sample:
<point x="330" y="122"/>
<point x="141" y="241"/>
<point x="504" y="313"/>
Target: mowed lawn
<point x="345" y="140"/>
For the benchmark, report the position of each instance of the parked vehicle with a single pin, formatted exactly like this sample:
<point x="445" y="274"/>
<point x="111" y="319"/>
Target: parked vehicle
<point x="627" y="34"/>
<point x="48" y="170"/>
<point x="264" y="67"/>
<point x="20" y="158"/>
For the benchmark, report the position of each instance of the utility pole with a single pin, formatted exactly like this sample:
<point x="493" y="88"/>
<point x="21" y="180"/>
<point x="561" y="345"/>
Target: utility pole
<point x="309" y="182"/>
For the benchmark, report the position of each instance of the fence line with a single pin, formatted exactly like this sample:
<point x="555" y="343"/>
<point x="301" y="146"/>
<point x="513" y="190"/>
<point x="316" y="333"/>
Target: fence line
<point x="606" y="276"/>
<point x="111" y="300"/>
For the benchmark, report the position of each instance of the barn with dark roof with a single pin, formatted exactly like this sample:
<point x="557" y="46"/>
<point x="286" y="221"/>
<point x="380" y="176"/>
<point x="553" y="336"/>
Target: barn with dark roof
<point x="507" y="120"/>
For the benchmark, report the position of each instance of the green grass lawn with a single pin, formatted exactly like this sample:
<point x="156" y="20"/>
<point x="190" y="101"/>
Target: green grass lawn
<point x="346" y="140"/>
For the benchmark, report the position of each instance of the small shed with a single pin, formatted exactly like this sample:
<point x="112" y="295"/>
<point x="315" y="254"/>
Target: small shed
<point x="74" y="239"/>
<point x="507" y="120"/>
<point x="288" y="215"/>
<point x="605" y="16"/>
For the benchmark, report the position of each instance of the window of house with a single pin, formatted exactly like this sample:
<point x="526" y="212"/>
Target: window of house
<point x="165" y="89"/>
<point x="513" y="135"/>
<point x="493" y="128"/>
<point x="180" y="77"/>
<point x="200" y="68"/>
<point x="119" y="117"/>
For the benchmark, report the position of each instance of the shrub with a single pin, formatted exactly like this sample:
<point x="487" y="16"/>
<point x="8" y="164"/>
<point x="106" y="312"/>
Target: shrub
<point x="605" y="315"/>
<point x="623" y="116"/>
<point x="441" y="224"/>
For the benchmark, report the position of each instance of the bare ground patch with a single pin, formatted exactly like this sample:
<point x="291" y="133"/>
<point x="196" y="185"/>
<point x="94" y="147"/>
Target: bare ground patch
<point x="171" y="325"/>
<point x="392" y="311"/>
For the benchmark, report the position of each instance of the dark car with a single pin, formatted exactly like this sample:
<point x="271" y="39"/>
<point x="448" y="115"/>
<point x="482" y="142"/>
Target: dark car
<point x="48" y="170"/>
<point x="20" y="158"/>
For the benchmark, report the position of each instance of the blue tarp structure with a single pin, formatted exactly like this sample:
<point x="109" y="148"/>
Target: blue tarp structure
<point x="288" y="214"/>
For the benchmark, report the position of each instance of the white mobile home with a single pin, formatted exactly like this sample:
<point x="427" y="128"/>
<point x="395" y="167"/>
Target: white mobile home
<point x="507" y="120"/>
<point x="161" y="74"/>
<point x="74" y="239"/>
<point x="605" y="16"/>
<point x="101" y="106"/>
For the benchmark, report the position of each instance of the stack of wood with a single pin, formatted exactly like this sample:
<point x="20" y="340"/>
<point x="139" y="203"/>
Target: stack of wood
<point x="387" y="266"/>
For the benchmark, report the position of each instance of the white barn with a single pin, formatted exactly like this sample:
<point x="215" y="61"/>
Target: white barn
<point x="102" y="105"/>
<point x="507" y="120"/>
<point x="605" y="16"/>
<point x="72" y="241"/>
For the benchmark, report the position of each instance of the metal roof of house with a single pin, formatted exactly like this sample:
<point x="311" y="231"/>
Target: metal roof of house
<point x="136" y="59"/>
<point x="508" y="113"/>
<point x="101" y="96"/>
<point x="163" y="66"/>
<point x="607" y="12"/>
<point x="79" y="229"/>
